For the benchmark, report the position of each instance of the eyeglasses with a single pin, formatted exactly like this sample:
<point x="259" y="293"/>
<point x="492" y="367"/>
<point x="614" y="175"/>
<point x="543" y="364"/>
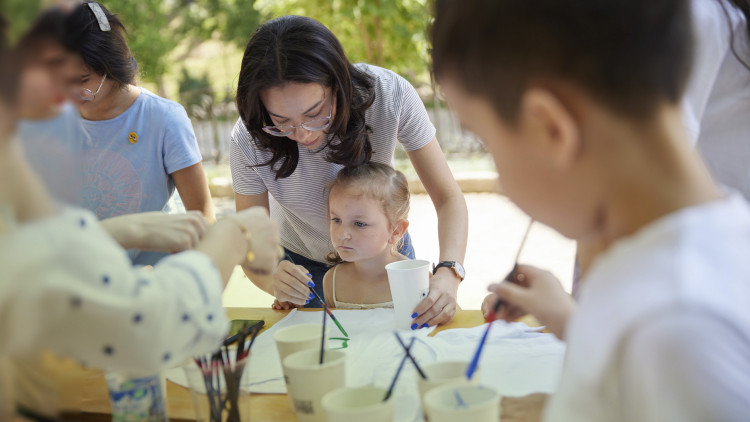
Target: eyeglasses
<point x="89" y="95"/>
<point x="312" y="125"/>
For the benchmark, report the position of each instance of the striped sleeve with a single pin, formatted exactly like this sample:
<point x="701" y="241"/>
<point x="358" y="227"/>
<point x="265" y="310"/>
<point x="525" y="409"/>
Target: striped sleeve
<point x="415" y="130"/>
<point x="242" y="158"/>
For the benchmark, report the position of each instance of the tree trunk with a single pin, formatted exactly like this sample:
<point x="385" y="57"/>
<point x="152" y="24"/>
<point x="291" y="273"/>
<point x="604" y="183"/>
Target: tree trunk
<point x="161" y="89"/>
<point x="366" y="40"/>
<point x="379" y="35"/>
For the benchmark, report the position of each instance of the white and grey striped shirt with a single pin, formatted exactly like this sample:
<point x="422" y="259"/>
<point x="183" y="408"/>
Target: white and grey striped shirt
<point x="299" y="203"/>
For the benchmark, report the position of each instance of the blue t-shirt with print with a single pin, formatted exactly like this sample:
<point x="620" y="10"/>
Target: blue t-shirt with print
<point x="129" y="159"/>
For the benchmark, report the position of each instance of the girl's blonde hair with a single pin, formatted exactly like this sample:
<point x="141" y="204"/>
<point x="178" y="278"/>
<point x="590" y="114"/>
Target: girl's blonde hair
<point x="381" y="183"/>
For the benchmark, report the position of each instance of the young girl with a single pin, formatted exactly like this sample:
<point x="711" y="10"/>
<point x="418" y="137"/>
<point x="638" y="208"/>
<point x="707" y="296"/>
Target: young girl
<point x="368" y="206"/>
<point x="142" y="146"/>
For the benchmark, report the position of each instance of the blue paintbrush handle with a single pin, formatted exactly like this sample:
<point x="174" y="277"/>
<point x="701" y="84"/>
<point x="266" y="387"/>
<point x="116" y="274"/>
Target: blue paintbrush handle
<point x="475" y="361"/>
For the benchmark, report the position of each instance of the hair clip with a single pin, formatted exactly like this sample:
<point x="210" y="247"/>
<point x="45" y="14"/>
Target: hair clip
<point x="100" y="16"/>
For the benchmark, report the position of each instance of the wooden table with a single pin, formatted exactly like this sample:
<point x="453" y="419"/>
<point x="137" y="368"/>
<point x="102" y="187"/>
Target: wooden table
<point x="264" y="407"/>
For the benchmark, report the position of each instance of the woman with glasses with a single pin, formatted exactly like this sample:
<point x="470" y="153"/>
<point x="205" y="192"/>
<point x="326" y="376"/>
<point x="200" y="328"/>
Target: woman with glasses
<point x="305" y="112"/>
<point x="141" y="146"/>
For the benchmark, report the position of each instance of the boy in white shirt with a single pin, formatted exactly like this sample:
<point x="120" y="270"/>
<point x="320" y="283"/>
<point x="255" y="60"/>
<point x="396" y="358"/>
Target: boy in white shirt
<point x="67" y="287"/>
<point x="579" y="104"/>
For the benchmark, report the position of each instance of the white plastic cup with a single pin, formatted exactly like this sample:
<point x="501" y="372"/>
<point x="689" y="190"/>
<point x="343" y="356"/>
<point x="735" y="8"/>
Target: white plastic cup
<point x="307" y="381"/>
<point x="410" y="283"/>
<point x="467" y="402"/>
<point x="297" y="338"/>
<point x="137" y="398"/>
<point x="442" y="373"/>
<point x="360" y="404"/>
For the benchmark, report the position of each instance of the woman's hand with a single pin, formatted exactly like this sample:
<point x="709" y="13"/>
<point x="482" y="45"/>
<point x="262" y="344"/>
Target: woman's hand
<point x="291" y="283"/>
<point x="440" y="305"/>
<point x="284" y="306"/>
<point x="157" y="231"/>
<point x="536" y="292"/>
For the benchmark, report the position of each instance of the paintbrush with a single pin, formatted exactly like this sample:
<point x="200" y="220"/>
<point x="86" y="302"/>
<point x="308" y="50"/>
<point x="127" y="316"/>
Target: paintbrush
<point x="320" y="299"/>
<point x="398" y="371"/>
<point x="328" y="311"/>
<point x="510" y="277"/>
<point x="323" y="335"/>
<point x="409" y="355"/>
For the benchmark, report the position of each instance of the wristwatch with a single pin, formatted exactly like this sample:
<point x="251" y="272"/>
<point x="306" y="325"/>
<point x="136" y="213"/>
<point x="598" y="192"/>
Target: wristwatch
<point x="453" y="265"/>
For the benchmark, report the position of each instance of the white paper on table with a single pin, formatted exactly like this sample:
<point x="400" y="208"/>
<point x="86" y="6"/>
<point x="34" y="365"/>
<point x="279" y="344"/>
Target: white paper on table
<point x="516" y="359"/>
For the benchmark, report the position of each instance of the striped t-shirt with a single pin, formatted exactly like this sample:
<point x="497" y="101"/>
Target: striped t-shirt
<point x="299" y="203"/>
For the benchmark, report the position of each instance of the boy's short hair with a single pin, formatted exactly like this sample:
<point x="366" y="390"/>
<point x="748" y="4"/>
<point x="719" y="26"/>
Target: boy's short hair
<point x="47" y="28"/>
<point x="9" y="71"/>
<point x="629" y="55"/>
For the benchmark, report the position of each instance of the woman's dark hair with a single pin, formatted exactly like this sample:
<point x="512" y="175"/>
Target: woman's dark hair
<point x="105" y="52"/>
<point x="629" y="55"/>
<point x="300" y="49"/>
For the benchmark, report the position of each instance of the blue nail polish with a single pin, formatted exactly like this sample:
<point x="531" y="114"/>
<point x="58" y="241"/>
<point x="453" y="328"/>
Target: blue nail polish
<point x="414" y="315"/>
<point x="307" y="301"/>
<point x="425" y="325"/>
<point x="414" y="326"/>
<point x="311" y="296"/>
<point x="311" y="284"/>
<point x="309" y="275"/>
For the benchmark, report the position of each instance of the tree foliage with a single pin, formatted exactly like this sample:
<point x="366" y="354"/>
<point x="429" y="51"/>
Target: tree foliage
<point x="387" y="33"/>
<point x="156" y="27"/>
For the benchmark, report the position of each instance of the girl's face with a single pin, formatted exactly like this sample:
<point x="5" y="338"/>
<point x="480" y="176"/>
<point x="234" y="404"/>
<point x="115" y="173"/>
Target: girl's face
<point x="294" y="104"/>
<point x="92" y="89"/>
<point x="359" y="227"/>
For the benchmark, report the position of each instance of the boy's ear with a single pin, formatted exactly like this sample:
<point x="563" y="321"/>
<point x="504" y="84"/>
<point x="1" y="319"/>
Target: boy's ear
<point x="551" y="123"/>
<point x="398" y="231"/>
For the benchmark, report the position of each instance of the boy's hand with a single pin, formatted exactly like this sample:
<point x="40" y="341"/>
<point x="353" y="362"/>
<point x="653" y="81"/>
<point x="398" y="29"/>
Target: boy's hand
<point x="523" y="409"/>
<point x="265" y="239"/>
<point x="536" y="292"/>
<point x="507" y="312"/>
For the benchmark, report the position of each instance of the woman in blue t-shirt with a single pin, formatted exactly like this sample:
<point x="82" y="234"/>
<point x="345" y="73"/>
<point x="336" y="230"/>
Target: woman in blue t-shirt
<point x="141" y="146"/>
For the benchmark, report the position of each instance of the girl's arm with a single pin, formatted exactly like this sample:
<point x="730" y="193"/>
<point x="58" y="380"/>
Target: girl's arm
<point x="328" y="288"/>
<point x="192" y="185"/>
<point x="429" y="162"/>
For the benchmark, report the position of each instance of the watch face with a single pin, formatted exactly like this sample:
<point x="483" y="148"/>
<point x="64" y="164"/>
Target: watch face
<point x="460" y="270"/>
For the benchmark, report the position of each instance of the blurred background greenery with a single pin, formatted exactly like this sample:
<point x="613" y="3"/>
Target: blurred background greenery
<point x="190" y="51"/>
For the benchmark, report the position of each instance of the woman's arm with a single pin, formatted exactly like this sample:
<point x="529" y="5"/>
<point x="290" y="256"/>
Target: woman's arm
<point x="429" y="162"/>
<point x="288" y="282"/>
<point x="192" y="185"/>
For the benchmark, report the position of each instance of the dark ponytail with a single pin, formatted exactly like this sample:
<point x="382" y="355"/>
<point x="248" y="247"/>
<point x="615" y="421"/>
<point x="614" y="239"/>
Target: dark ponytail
<point x="104" y="52"/>
<point x="300" y="49"/>
<point x="744" y="7"/>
